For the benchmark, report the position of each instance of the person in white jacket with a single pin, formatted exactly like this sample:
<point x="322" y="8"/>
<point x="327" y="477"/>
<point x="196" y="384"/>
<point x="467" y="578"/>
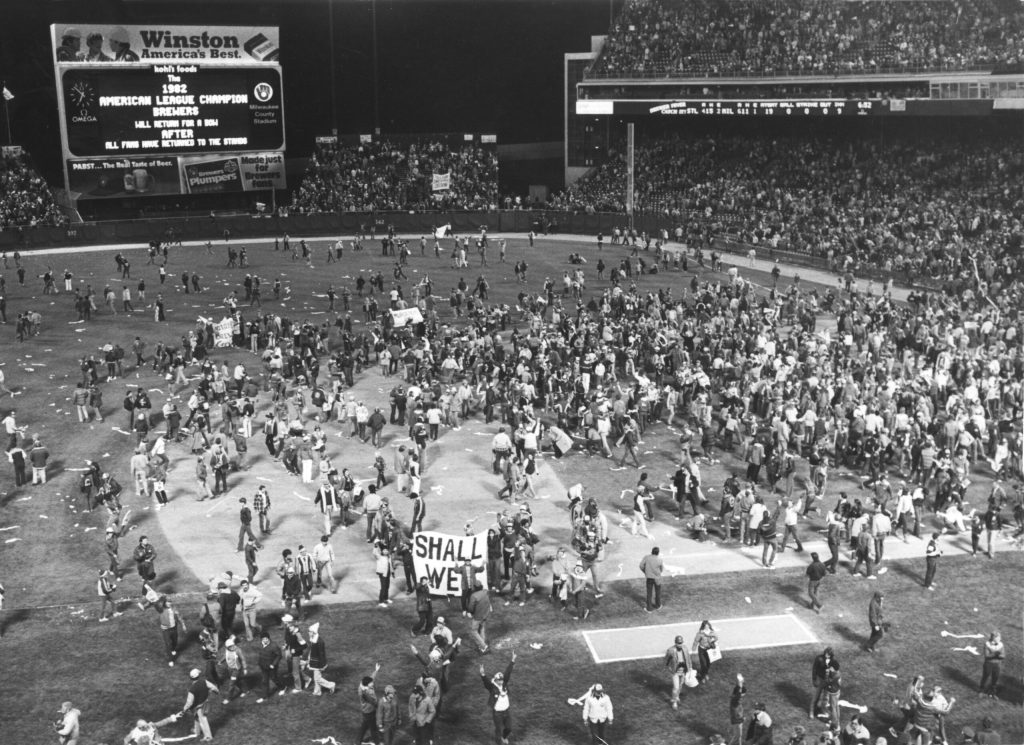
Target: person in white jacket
<point x="598" y="714"/>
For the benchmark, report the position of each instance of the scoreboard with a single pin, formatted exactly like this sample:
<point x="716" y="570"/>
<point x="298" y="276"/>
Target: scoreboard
<point x="161" y="111"/>
<point x="735" y="107"/>
<point x="178" y="109"/>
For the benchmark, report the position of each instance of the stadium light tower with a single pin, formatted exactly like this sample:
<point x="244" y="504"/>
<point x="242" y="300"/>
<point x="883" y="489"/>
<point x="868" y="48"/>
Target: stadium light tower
<point x="330" y="46"/>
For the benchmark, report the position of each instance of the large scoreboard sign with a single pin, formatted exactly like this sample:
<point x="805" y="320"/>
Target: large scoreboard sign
<point x="167" y="109"/>
<point x="171" y="110"/>
<point x="737" y="107"/>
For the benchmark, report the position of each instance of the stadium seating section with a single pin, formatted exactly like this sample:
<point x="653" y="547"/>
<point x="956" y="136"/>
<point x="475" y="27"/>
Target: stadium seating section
<point x="25" y="198"/>
<point x="900" y="205"/>
<point x="389" y="175"/>
<point x="692" y="38"/>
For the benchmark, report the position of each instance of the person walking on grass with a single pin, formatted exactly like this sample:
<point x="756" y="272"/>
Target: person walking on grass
<point x="652" y="567"/>
<point x="368" y="702"/>
<point x="268" y="659"/>
<point x="677" y="660"/>
<point x="815" y="572"/>
<point x="598" y="714"/>
<point x="705" y="645"/>
<point x="992" y="666"/>
<point x="234" y="661"/>
<point x="876" y="619"/>
<point x="105" y="588"/>
<point x="251" y="598"/>
<point x="197" y="703"/>
<point x="424" y="608"/>
<point x="317" y="661"/>
<point x="931" y="561"/>
<point x="819" y="677"/>
<point x="498" y="701"/>
<point x="736" y="716"/>
<point x="67" y="727"/>
<point x="629" y="440"/>
<point x="170" y="622"/>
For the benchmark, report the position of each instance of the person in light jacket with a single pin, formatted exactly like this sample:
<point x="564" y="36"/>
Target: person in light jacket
<point x="598" y="714"/>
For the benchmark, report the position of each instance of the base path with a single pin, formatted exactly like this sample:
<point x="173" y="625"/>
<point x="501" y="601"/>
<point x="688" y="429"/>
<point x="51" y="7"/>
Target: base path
<point x="649" y="642"/>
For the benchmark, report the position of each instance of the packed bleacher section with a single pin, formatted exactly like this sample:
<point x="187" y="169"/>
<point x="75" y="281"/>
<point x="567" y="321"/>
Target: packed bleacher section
<point x="923" y="205"/>
<point x="393" y="175"/>
<point x="665" y="38"/>
<point x="25" y="197"/>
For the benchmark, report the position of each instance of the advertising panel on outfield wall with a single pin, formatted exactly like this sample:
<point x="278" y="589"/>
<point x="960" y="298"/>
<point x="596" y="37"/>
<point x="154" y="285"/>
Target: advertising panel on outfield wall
<point x="155" y="175"/>
<point x="235" y="45"/>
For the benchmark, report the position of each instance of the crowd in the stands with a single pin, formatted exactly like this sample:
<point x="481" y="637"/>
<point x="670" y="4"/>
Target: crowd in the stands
<point x="718" y="37"/>
<point x="25" y="198"/>
<point x="384" y="175"/>
<point x="925" y="206"/>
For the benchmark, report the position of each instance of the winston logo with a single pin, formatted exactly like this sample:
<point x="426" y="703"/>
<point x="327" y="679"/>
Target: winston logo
<point x="168" y="40"/>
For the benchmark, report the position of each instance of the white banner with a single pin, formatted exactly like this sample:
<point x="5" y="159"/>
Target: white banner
<point x="442" y="181"/>
<point x="404" y="317"/>
<point x="235" y="45"/>
<point x="223" y="333"/>
<point x="438" y="556"/>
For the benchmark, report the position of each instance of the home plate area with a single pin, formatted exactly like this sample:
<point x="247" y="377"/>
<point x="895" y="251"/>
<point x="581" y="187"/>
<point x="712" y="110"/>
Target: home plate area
<point x="646" y="642"/>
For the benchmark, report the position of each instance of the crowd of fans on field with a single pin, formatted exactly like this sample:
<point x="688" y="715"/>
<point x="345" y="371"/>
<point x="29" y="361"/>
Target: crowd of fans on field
<point x="386" y="175"/>
<point x="713" y="37"/>
<point x="925" y="207"/>
<point x="25" y="198"/>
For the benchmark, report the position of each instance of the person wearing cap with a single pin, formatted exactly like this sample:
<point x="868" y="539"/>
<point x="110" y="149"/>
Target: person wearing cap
<point x="294" y="650"/>
<point x="316" y="661"/>
<point x="268" y="659"/>
<point x="677" y="660"/>
<point x="197" y="703"/>
<point x="67" y="727"/>
<point x="70" y="45"/>
<point x="388" y="716"/>
<point x="498" y="701"/>
<point x="105" y="588"/>
<point x="598" y="714"/>
<point x="121" y="47"/>
<point x="234" y="662"/>
<point x="759" y="731"/>
<point x="422" y="713"/>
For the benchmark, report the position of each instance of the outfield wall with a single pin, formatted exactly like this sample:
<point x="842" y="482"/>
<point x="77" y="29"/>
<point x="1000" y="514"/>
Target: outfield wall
<point x="345" y="225"/>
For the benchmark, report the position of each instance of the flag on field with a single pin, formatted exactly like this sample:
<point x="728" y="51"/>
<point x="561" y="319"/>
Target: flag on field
<point x="442" y="181"/>
<point x="8" y="96"/>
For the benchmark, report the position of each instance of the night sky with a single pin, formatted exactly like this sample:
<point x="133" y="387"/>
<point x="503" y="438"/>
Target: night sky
<point x="492" y="66"/>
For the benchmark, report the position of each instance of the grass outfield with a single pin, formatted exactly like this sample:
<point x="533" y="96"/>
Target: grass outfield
<point x="114" y="672"/>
